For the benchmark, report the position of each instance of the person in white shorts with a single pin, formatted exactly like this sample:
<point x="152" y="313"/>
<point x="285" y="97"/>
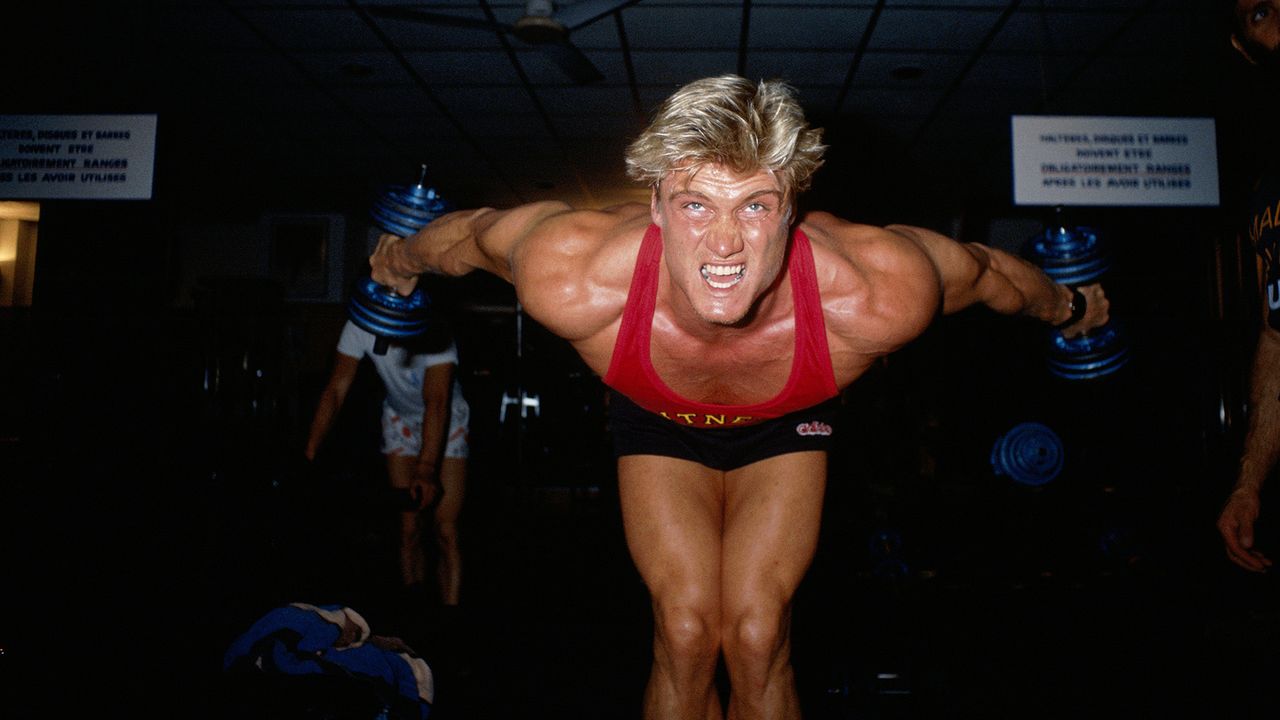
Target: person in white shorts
<point x="424" y="439"/>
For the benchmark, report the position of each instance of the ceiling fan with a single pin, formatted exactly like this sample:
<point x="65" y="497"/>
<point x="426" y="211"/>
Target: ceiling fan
<point x="544" y="25"/>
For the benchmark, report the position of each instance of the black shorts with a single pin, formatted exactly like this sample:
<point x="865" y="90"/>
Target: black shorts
<point x="637" y="431"/>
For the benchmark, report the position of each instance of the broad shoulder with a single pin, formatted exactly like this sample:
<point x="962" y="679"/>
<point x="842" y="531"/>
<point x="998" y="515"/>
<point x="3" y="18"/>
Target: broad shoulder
<point x="573" y="271"/>
<point x="887" y="248"/>
<point x="879" y="287"/>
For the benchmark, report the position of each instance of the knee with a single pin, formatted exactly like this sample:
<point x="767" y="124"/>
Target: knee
<point x="447" y="535"/>
<point x="410" y="529"/>
<point x="688" y="633"/>
<point x="755" y="636"/>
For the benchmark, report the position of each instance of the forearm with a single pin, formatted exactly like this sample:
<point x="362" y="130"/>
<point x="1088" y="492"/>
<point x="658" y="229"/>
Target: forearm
<point x="467" y="240"/>
<point x="326" y="411"/>
<point x="1262" y="440"/>
<point x="448" y="245"/>
<point x="1008" y="285"/>
<point x="434" y="428"/>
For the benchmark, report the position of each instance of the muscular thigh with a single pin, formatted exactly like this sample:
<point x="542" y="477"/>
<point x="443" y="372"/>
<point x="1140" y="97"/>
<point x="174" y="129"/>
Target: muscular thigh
<point x="773" y="510"/>
<point x="672" y="513"/>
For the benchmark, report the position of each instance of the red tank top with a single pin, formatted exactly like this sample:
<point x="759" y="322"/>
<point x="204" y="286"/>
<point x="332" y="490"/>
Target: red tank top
<point x="631" y="369"/>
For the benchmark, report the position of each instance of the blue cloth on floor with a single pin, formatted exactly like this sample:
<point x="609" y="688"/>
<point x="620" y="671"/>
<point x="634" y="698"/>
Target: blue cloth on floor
<point x="307" y="640"/>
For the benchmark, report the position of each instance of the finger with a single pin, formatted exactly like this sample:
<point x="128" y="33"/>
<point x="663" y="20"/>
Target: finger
<point x="1247" y="559"/>
<point x="382" y="263"/>
<point x="1240" y="557"/>
<point x="1249" y="562"/>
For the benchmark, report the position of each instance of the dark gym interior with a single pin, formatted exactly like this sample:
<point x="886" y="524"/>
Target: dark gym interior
<point x="157" y="383"/>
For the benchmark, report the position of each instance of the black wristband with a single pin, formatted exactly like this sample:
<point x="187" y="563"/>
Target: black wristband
<point x="1078" y="306"/>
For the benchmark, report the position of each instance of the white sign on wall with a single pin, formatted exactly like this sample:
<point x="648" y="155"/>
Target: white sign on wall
<point x="77" y="157"/>
<point x="1128" y="161"/>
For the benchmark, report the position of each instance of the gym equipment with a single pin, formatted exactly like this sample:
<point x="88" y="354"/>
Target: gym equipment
<point x="403" y="209"/>
<point x="388" y="314"/>
<point x="1074" y="257"/>
<point x="400" y="210"/>
<point x="1029" y="454"/>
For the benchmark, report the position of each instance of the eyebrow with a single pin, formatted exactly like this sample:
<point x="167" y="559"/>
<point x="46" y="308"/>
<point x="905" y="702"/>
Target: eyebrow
<point x="752" y="196"/>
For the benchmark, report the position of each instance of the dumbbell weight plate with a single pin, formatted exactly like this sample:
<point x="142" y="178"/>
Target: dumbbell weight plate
<point x="1101" y="352"/>
<point x="1030" y="454"/>
<point x="1069" y="256"/>
<point x="403" y="210"/>
<point x="387" y="314"/>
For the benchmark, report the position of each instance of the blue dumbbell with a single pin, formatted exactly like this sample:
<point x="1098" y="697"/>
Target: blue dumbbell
<point x="1078" y="256"/>
<point x="400" y="210"/>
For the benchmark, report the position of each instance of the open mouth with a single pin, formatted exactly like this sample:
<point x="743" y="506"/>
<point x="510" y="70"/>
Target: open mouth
<point x="722" y="276"/>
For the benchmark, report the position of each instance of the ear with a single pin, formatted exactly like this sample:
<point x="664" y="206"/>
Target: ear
<point x="1239" y="46"/>
<point x="654" y="215"/>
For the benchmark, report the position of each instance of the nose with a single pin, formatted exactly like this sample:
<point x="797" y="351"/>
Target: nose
<point x="724" y="238"/>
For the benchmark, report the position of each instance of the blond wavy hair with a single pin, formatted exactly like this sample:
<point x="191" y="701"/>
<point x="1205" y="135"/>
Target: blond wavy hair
<point x="729" y="121"/>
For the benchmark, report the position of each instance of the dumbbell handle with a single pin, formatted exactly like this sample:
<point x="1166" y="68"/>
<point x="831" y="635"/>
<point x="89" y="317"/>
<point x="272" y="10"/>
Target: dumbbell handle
<point x="1079" y="305"/>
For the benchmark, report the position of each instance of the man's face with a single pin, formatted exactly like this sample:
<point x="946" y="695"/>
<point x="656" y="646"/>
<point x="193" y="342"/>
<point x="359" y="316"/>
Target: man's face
<point x="1257" y="34"/>
<point x="724" y="237"/>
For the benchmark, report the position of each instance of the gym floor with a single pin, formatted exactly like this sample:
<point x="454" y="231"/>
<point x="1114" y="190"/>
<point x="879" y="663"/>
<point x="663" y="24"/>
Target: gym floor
<point x="148" y="524"/>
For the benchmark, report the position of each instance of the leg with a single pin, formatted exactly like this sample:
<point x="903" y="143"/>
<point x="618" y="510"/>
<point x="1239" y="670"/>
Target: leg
<point x="772" y="512"/>
<point x="453" y="481"/>
<point x="672" y="513"/>
<point x="412" y="554"/>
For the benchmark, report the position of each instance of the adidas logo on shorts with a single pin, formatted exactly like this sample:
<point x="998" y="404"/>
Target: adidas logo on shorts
<point x="813" y="428"/>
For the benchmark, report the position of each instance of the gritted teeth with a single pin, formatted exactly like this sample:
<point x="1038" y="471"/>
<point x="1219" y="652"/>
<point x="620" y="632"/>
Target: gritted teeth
<point x="722" y="276"/>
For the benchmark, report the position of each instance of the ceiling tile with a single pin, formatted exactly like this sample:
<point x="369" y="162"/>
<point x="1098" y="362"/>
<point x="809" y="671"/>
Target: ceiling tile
<point x="202" y="26"/>
<point x="1161" y="31"/>
<point x="808" y="68"/>
<point x="793" y="27"/>
<point x="651" y="26"/>
<point x="667" y="67"/>
<point x="541" y="68"/>
<point x="1057" y="32"/>
<point x="241" y="70"/>
<point x="405" y="127"/>
<point x="586" y="125"/>
<point x="404" y="99"/>
<point x="469" y="101"/>
<point x="911" y="29"/>
<point x="937" y="69"/>
<point x="588" y="99"/>
<point x="890" y="101"/>
<point x="413" y="35"/>
<point x="464" y="67"/>
<point x="312" y="28"/>
<point x="1019" y="70"/>
<point x="358" y="67"/>
<point x="973" y="99"/>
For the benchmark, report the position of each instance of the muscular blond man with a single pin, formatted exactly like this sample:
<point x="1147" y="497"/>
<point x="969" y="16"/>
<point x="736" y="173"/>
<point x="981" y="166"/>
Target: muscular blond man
<point x="725" y="326"/>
